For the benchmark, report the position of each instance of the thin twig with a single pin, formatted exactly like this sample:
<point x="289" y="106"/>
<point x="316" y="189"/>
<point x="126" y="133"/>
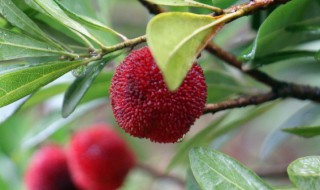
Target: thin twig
<point x="301" y="92"/>
<point x="240" y="102"/>
<point x="233" y="61"/>
<point x="128" y="43"/>
<point x="254" y="5"/>
<point x="157" y="174"/>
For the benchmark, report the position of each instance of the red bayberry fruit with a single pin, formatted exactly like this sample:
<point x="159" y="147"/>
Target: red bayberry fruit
<point x="145" y="108"/>
<point x="99" y="159"/>
<point x="49" y="170"/>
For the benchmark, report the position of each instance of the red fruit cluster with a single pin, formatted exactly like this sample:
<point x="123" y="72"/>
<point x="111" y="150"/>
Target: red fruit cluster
<point x="144" y="107"/>
<point x="98" y="159"/>
<point x="49" y="170"/>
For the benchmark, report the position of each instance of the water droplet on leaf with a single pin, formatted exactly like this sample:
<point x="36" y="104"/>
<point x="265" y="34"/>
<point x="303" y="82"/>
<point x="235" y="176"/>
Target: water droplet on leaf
<point x="79" y="71"/>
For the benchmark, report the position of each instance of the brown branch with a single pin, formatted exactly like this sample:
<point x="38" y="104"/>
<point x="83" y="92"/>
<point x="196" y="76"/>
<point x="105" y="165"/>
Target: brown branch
<point x="152" y="8"/>
<point x="157" y="174"/>
<point x="301" y="92"/>
<point x="233" y="61"/>
<point x="240" y="102"/>
<point x="274" y="174"/>
<point x="254" y="5"/>
<point x="280" y="89"/>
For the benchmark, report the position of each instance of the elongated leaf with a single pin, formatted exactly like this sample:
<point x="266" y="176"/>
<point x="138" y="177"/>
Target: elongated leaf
<point x="19" y="83"/>
<point x="215" y="130"/>
<point x="14" y="45"/>
<point x="198" y="140"/>
<point x="81" y="85"/>
<point x="309" y="131"/>
<point x="89" y="21"/>
<point x="283" y="55"/>
<point x="214" y="170"/>
<point x="99" y="88"/>
<point x="37" y="136"/>
<point x="53" y="10"/>
<point x="173" y="44"/>
<point x="309" y="29"/>
<point x="19" y="19"/>
<point x="304" y="116"/>
<point x="223" y="3"/>
<point x="45" y="94"/>
<point x="9" y="110"/>
<point x="191" y="182"/>
<point x="188" y="3"/>
<point x="9" y="172"/>
<point x="85" y="7"/>
<point x="274" y="29"/>
<point x="305" y="173"/>
<point x="221" y="86"/>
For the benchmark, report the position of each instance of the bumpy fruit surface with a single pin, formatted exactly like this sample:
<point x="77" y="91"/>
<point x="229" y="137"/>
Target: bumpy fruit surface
<point x="144" y="107"/>
<point x="99" y="159"/>
<point x="49" y="171"/>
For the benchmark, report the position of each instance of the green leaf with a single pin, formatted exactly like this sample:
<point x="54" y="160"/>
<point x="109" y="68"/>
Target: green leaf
<point x="85" y="7"/>
<point x="215" y="130"/>
<point x="191" y="183"/>
<point x="14" y="45"/>
<point x="99" y="88"/>
<point x="274" y="30"/>
<point x="21" y="82"/>
<point x="41" y="133"/>
<point x="175" y="39"/>
<point x="198" y="140"/>
<point x="215" y="170"/>
<point x="10" y="110"/>
<point x="3" y="184"/>
<point x="305" y="173"/>
<point x="53" y="10"/>
<point x="283" y="55"/>
<point x="81" y="85"/>
<point x="9" y="172"/>
<point x="223" y="3"/>
<point x="19" y="19"/>
<point x="188" y="3"/>
<point x="309" y="29"/>
<point x="308" y="131"/>
<point x="89" y="21"/>
<point x="45" y="94"/>
<point x="303" y="116"/>
<point x="317" y="56"/>
<point x="221" y="86"/>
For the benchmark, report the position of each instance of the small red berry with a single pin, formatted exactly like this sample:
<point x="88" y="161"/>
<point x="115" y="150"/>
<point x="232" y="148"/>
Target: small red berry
<point x="144" y="107"/>
<point x="48" y="170"/>
<point x="99" y="159"/>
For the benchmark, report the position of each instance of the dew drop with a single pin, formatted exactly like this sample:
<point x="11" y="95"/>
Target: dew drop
<point x="79" y="71"/>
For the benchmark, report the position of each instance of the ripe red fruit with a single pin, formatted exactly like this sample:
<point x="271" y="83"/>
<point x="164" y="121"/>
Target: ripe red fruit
<point x="145" y="108"/>
<point x="99" y="159"/>
<point x="49" y="170"/>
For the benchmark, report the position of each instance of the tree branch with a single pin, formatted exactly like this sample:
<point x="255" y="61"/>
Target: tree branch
<point x="157" y="174"/>
<point x="279" y="89"/>
<point x="152" y="8"/>
<point x="301" y="92"/>
<point x="254" y="5"/>
<point x="233" y="61"/>
<point x="128" y="43"/>
<point x="240" y="102"/>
